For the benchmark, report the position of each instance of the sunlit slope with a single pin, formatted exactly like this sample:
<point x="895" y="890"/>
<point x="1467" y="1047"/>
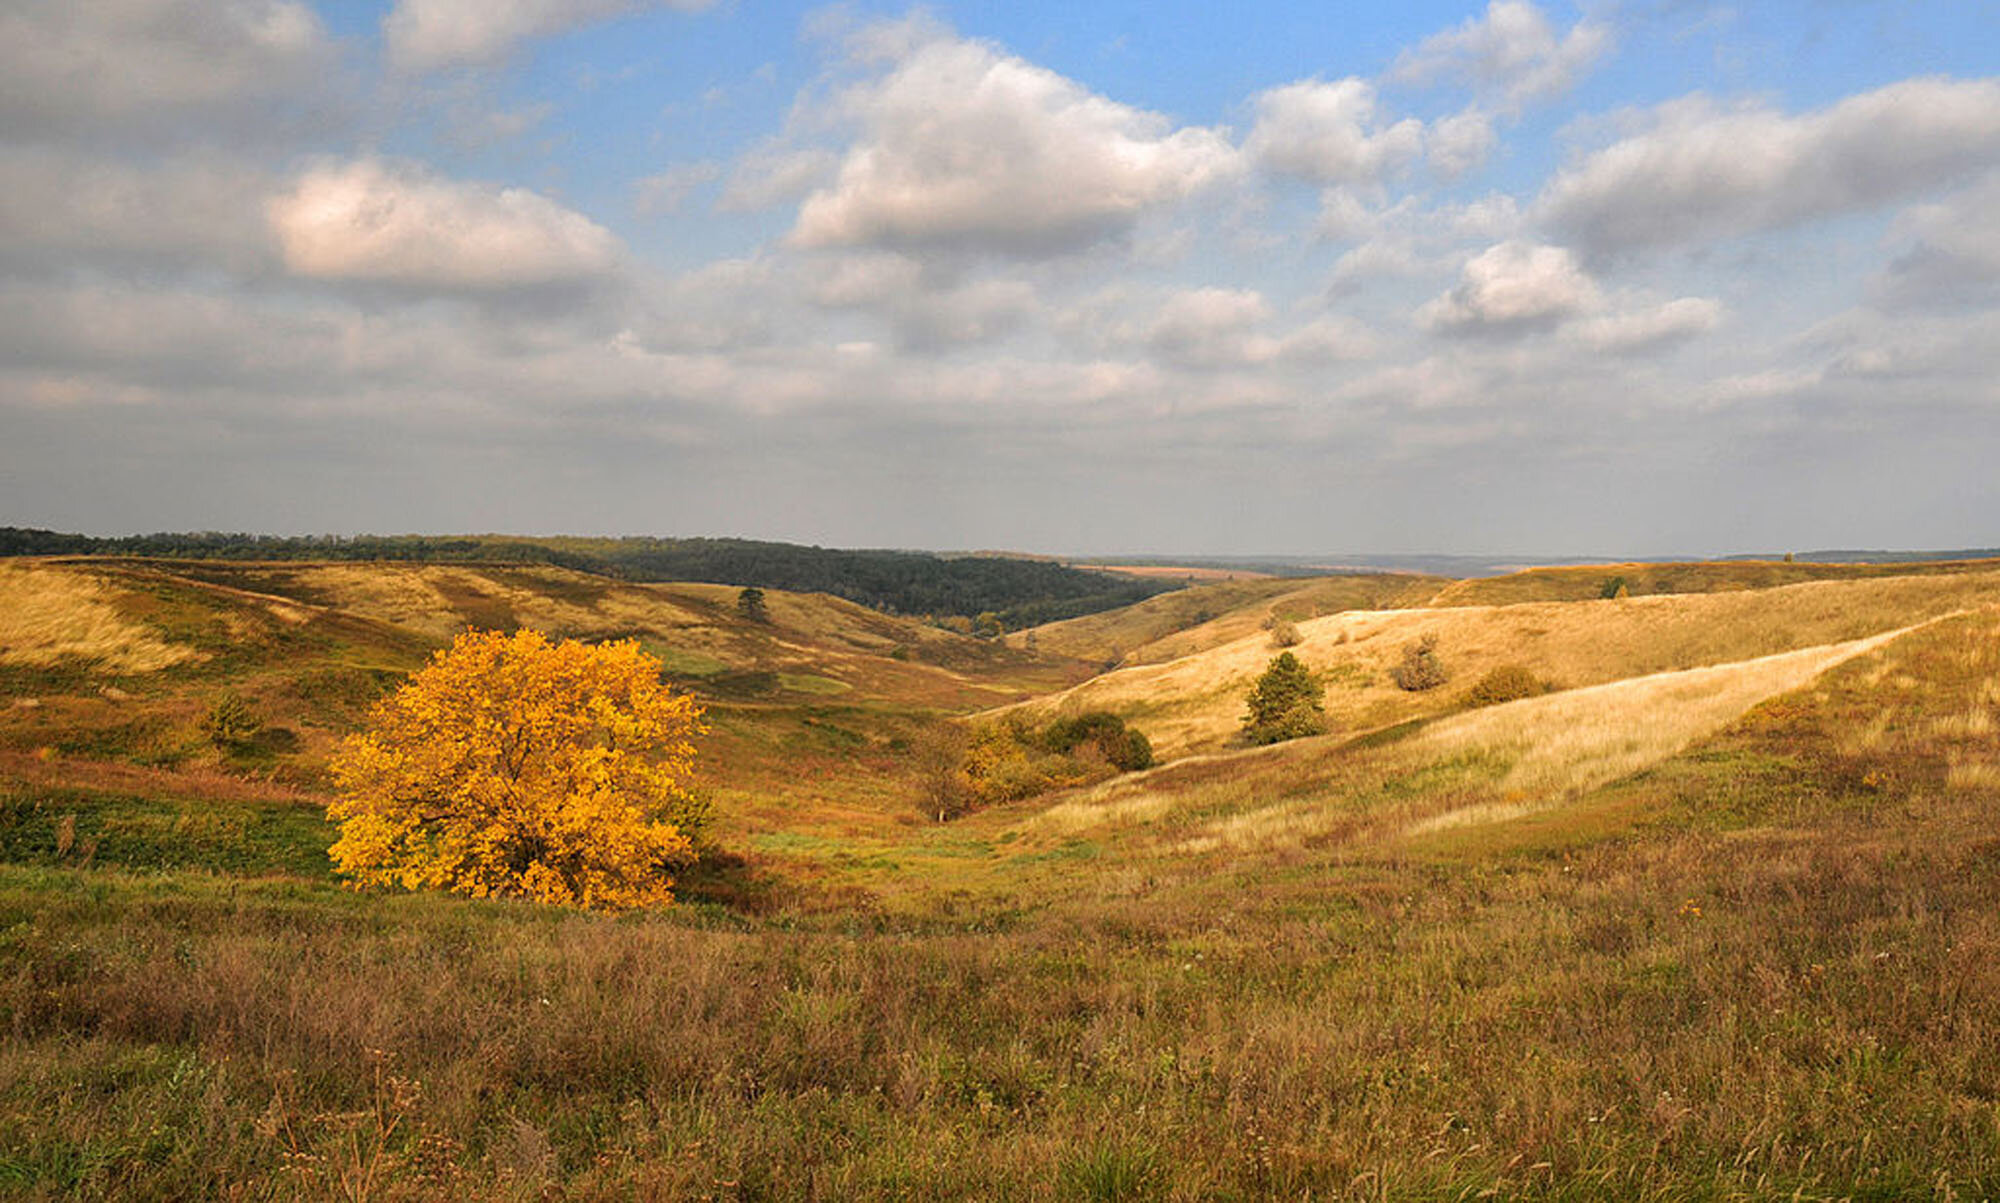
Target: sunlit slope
<point x="1481" y="766"/>
<point x="1205" y="616"/>
<point x="1195" y="703"/>
<point x="108" y="666"/>
<point x="1589" y="581"/>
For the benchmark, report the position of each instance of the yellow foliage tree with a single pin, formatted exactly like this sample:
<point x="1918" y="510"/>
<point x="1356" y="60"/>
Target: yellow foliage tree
<point x="512" y="766"/>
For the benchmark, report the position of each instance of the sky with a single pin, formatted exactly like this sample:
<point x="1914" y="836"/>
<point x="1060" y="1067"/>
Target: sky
<point x="1628" y="278"/>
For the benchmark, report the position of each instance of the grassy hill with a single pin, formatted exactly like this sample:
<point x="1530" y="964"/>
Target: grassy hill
<point x="1718" y="918"/>
<point x="1194" y="619"/>
<point x="1022" y="590"/>
<point x="1194" y="703"/>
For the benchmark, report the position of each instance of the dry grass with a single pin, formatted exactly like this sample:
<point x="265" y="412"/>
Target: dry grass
<point x="50" y="613"/>
<point x="1191" y="620"/>
<point x="1195" y="704"/>
<point x="1583" y="582"/>
<point x="1768" y="967"/>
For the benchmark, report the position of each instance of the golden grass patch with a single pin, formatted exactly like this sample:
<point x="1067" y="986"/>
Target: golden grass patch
<point x="49" y="614"/>
<point x="1194" y="704"/>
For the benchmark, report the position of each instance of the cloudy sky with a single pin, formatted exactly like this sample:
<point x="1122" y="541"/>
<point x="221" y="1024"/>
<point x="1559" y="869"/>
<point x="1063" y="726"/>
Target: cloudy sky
<point x="1639" y="277"/>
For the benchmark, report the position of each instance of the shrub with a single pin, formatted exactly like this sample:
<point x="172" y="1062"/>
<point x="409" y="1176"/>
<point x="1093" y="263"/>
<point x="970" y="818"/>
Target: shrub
<point x="1505" y="683"/>
<point x="1420" y="668"/>
<point x="1614" y="586"/>
<point x="230" y="722"/>
<point x="1009" y="760"/>
<point x="1284" y="703"/>
<point x="1285" y="633"/>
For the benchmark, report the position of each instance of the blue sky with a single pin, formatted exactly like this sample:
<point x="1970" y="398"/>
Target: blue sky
<point x="1634" y="278"/>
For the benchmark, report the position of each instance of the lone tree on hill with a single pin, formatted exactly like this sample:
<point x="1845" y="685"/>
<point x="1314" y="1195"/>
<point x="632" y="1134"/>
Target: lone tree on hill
<point x="1420" y="668"/>
<point x="511" y="766"/>
<point x="750" y="604"/>
<point x="1284" y="703"/>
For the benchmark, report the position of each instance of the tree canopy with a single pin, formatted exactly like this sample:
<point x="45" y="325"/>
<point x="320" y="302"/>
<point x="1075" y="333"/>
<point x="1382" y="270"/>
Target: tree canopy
<point x="1284" y="703"/>
<point x="513" y="766"/>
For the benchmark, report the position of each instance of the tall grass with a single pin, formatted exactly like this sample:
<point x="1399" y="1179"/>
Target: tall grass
<point x="52" y="613"/>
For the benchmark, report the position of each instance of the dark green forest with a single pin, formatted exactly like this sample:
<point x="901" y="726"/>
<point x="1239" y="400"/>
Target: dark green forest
<point x="1021" y="592"/>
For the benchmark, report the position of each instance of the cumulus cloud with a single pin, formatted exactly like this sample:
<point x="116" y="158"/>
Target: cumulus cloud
<point x="1512" y="286"/>
<point x="962" y="147"/>
<point x="425" y="35"/>
<point x="666" y="191"/>
<point x="1328" y="133"/>
<point x="368" y="221"/>
<point x="1511" y="52"/>
<point x="1955" y="245"/>
<point x="1209" y="329"/>
<point x="927" y="309"/>
<point x="112" y="63"/>
<point x="774" y="174"/>
<point x="64" y="208"/>
<point x="1458" y="145"/>
<point x="1704" y="172"/>
<point x="1650" y="329"/>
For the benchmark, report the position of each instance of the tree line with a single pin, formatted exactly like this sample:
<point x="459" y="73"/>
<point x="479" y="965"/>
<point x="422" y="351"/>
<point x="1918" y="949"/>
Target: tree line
<point x="1020" y="592"/>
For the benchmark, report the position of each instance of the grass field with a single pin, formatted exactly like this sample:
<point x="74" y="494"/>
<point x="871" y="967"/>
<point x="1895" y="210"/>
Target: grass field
<point x="1719" y="919"/>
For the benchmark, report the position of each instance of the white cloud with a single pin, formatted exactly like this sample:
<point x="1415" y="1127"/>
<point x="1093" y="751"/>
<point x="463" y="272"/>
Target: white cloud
<point x="63" y="209"/>
<point x="1704" y="172"/>
<point x="665" y="192"/>
<point x="1511" y="52"/>
<point x="927" y="309"/>
<point x="1956" y="244"/>
<point x="1209" y="329"/>
<point x="1648" y="329"/>
<point x="963" y="147"/>
<point x="1459" y="144"/>
<point x="1328" y="133"/>
<point x="1513" y="286"/>
<point x="375" y="222"/>
<point x="773" y="174"/>
<point x="114" y="62"/>
<point x="425" y="35"/>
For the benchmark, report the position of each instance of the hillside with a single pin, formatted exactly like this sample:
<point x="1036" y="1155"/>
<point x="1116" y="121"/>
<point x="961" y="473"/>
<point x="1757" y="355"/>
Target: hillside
<point x="1203" y="616"/>
<point x="1716" y="918"/>
<point x="1194" y="703"/>
<point x="115" y="660"/>
<point x="1021" y="590"/>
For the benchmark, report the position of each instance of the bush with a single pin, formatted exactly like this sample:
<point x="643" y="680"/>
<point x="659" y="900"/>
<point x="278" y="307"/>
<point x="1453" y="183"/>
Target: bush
<point x="230" y="722"/>
<point x="1420" y="668"/>
<point x="1009" y="760"/>
<point x="1285" y="633"/>
<point x="1505" y="683"/>
<point x="1614" y="586"/>
<point x="1284" y="703"/>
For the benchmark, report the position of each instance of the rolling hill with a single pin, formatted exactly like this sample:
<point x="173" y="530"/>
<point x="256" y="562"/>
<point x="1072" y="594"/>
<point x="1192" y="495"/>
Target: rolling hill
<point x="1715" y="917"/>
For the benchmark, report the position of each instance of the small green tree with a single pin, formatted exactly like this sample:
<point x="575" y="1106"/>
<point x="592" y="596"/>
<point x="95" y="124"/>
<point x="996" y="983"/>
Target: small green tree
<point x="230" y="722"/>
<point x="1284" y="703"/>
<point x="750" y="604"/>
<point x="1614" y="586"/>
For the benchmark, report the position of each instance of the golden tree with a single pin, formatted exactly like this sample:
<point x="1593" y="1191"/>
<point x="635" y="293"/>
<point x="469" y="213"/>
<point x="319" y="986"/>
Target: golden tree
<point x="515" y="766"/>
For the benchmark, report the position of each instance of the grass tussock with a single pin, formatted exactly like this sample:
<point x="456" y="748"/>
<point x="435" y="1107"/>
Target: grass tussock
<point x="49" y="614"/>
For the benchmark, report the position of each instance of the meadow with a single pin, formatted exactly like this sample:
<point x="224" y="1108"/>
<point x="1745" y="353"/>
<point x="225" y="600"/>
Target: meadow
<point x="1718" y="916"/>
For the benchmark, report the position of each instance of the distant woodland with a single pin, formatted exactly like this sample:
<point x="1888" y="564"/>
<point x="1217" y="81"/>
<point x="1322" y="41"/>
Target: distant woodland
<point x="1019" y="592"/>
